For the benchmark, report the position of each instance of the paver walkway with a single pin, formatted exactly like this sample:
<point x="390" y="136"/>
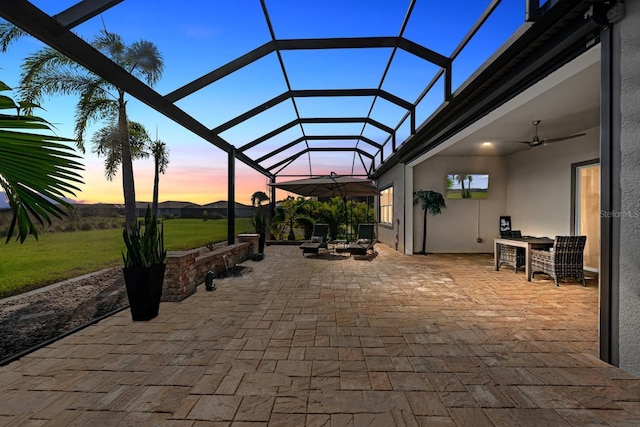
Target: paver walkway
<point x="337" y="341"/>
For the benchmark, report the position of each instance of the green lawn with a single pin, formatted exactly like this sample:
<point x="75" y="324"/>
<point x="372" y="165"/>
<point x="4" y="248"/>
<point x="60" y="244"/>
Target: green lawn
<point x="58" y="256"/>
<point x="457" y="194"/>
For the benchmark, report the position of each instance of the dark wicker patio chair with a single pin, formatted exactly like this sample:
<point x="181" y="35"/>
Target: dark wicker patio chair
<point x="318" y="240"/>
<point x="565" y="260"/>
<point x="511" y="255"/>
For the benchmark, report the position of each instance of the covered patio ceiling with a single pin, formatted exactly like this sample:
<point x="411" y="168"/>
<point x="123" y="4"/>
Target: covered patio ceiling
<point x="332" y="86"/>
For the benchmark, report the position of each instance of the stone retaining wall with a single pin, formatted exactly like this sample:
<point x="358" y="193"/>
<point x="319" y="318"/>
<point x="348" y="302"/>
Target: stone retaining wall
<point x="186" y="269"/>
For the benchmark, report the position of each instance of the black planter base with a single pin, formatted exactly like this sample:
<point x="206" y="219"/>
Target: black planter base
<point x="144" y="289"/>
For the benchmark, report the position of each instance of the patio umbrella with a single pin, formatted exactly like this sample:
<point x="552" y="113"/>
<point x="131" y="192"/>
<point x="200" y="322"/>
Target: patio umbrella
<point x="329" y="186"/>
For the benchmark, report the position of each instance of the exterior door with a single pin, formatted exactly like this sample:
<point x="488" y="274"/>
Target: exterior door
<point x="587" y="212"/>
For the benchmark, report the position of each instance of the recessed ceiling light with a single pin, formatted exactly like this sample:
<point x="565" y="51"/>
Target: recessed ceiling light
<point x="487" y="144"/>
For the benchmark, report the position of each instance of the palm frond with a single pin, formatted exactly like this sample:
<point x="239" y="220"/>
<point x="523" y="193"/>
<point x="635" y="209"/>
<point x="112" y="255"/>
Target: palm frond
<point x="107" y="144"/>
<point x="9" y="33"/>
<point x="144" y="59"/>
<point x="90" y="109"/>
<point x="160" y="153"/>
<point x="110" y="44"/>
<point x="44" y="72"/>
<point x="37" y="171"/>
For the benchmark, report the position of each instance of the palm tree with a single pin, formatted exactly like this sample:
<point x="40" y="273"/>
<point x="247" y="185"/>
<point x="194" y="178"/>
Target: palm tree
<point x="460" y="179"/>
<point x="36" y="170"/>
<point x="258" y="197"/>
<point x="469" y="178"/>
<point x="287" y="214"/>
<point x="432" y="202"/>
<point x="160" y="154"/>
<point x="48" y="72"/>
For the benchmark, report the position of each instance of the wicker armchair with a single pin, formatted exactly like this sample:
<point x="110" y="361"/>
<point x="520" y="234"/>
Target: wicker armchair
<point x="565" y="260"/>
<point x="511" y="255"/>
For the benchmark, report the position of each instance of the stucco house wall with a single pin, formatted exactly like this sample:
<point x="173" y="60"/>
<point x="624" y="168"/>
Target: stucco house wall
<point x="539" y="184"/>
<point x="390" y="234"/>
<point x="629" y="263"/>
<point x="456" y="230"/>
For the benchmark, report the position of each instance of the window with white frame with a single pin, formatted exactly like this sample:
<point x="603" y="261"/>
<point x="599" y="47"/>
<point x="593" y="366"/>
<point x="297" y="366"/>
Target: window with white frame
<point x="386" y="206"/>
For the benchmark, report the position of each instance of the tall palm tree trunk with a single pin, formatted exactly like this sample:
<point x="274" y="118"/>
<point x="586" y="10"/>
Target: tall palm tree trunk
<point x="128" y="185"/>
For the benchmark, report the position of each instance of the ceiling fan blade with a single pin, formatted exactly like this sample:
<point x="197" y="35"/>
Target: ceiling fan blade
<point x="562" y="138"/>
<point x="518" y="142"/>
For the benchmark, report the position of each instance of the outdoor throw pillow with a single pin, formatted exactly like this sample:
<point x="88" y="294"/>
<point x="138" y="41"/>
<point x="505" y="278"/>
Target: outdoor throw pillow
<point x="316" y="239"/>
<point x="364" y="241"/>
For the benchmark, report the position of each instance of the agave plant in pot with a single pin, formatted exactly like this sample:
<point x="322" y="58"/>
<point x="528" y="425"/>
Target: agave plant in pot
<point x="144" y="266"/>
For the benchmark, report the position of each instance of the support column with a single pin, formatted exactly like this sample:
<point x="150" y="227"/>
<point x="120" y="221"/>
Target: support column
<point x="609" y="199"/>
<point x="408" y="210"/>
<point x="272" y="197"/>
<point x="231" y="198"/>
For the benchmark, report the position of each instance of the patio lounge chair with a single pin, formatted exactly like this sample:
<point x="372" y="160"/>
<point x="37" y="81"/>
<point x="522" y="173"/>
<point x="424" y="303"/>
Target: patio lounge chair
<point x="511" y="255"/>
<point x="365" y="241"/>
<point x="318" y="240"/>
<point x="566" y="259"/>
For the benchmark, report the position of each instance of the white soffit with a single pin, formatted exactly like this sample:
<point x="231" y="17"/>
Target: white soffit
<point x="563" y="74"/>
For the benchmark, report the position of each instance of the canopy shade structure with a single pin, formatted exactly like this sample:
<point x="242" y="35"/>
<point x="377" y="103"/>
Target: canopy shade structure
<point x="329" y="186"/>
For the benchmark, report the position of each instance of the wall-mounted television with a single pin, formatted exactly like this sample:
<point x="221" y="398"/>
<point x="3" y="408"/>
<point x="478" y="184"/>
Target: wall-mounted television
<point x="467" y="186"/>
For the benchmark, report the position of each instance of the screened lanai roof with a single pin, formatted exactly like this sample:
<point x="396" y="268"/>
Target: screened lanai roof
<point x="295" y="88"/>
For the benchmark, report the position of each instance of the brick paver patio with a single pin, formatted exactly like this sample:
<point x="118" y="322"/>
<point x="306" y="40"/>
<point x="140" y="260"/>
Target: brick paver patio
<point x="337" y="341"/>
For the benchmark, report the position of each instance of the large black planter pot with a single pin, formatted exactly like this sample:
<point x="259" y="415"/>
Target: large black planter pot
<point x="144" y="289"/>
<point x="261" y="242"/>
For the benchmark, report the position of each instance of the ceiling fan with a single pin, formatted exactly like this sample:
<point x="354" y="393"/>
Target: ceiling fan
<point x="541" y="141"/>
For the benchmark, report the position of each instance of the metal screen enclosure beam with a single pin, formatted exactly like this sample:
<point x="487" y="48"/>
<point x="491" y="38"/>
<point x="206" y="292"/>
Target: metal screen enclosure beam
<point x="231" y="197"/>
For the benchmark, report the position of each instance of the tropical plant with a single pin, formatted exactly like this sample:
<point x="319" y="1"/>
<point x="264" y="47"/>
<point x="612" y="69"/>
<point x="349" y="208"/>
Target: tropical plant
<point x="145" y="245"/>
<point x="431" y="202"/>
<point x="332" y="213"/>
<point x="106" y="144"/>
<point x="48" y="72"/>
<point x="286" y="214"/>
<point x="306" y="223"/>
<point x="258" y="197"/>
<point x="36" y="170"/>
<point x="160" y="154"/>
<point x="277" y="228"/>
<point x="449" y="182"/>
<point x="259" y="222"/>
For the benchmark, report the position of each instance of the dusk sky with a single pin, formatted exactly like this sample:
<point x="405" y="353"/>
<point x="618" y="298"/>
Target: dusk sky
<point x="196" y="37"/>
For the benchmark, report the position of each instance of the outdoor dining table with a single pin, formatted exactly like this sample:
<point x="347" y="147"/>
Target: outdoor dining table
<point x="525" y="242"/>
